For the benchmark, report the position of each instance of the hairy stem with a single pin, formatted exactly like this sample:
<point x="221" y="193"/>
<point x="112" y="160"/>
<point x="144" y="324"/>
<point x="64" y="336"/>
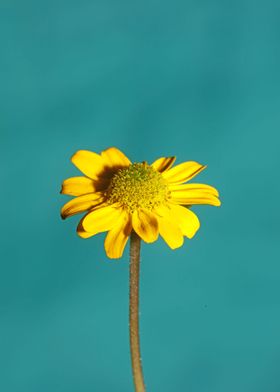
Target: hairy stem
<point x="135" y="242"/>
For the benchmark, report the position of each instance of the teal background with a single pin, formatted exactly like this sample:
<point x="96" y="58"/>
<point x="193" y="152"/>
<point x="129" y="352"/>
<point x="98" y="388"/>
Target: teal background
<point x="198" y="79"/>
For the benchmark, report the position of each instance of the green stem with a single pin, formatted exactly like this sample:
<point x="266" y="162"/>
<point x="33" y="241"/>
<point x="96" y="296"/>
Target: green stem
<point x="135" y="242"/>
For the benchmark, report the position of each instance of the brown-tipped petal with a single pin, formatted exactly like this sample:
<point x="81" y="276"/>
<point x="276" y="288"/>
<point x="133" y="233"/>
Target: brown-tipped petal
<point x="102" y="219"/>
<point x="81" y="231"/>
<point x="90" y="163"/>
<point x="145" y="224"/>
<point x="81" y="204"/>
<point x="113" y="157"/>
<point x="163" y="164"/>
<point x="183" y="172"/>
<point x="77" y="186"/>
<point x="117" y="237"/>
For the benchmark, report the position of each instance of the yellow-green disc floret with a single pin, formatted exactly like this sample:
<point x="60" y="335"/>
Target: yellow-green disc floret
<point x="138" y="186"/>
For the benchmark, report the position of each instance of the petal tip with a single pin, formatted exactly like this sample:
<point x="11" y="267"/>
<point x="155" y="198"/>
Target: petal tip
<point x="174" y="247"/>
<point x="74" y="155"/>
<point x="112" y="256"/>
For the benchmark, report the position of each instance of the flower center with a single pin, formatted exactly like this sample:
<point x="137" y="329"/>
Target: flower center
<point x="138" y="186"/>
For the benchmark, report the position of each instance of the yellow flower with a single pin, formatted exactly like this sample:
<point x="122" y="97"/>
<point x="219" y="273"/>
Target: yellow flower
<point x="119" y="196"/>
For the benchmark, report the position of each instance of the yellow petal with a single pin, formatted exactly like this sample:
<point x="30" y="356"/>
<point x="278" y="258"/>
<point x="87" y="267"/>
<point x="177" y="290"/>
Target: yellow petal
<point x="190" y="197"/>
<point x="77" y="186"/>
<point x="186" y="219"/>
<point x="101" y="219"/>
<point x="183" y="172"/>
<point x="145" y="224"/>
<point x="113" y="157"/>
<point x="117" y="237"/>
<point x="81" y="204"/>
<point x="90" y="163"/>
<point x="194" y="187"/>
<point x="163" y="164"/>
<point x="169" y="229"/>
<point x="81" y="231"/>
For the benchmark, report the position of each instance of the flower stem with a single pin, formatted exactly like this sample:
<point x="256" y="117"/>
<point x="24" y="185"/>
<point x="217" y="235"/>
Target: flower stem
<point x="135" y="242"/>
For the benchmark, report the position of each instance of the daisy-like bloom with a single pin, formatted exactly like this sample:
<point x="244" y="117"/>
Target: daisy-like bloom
<point x="119" y="196"/>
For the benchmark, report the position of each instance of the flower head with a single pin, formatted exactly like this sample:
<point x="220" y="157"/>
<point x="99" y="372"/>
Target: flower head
<point x="119" y="196"/>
